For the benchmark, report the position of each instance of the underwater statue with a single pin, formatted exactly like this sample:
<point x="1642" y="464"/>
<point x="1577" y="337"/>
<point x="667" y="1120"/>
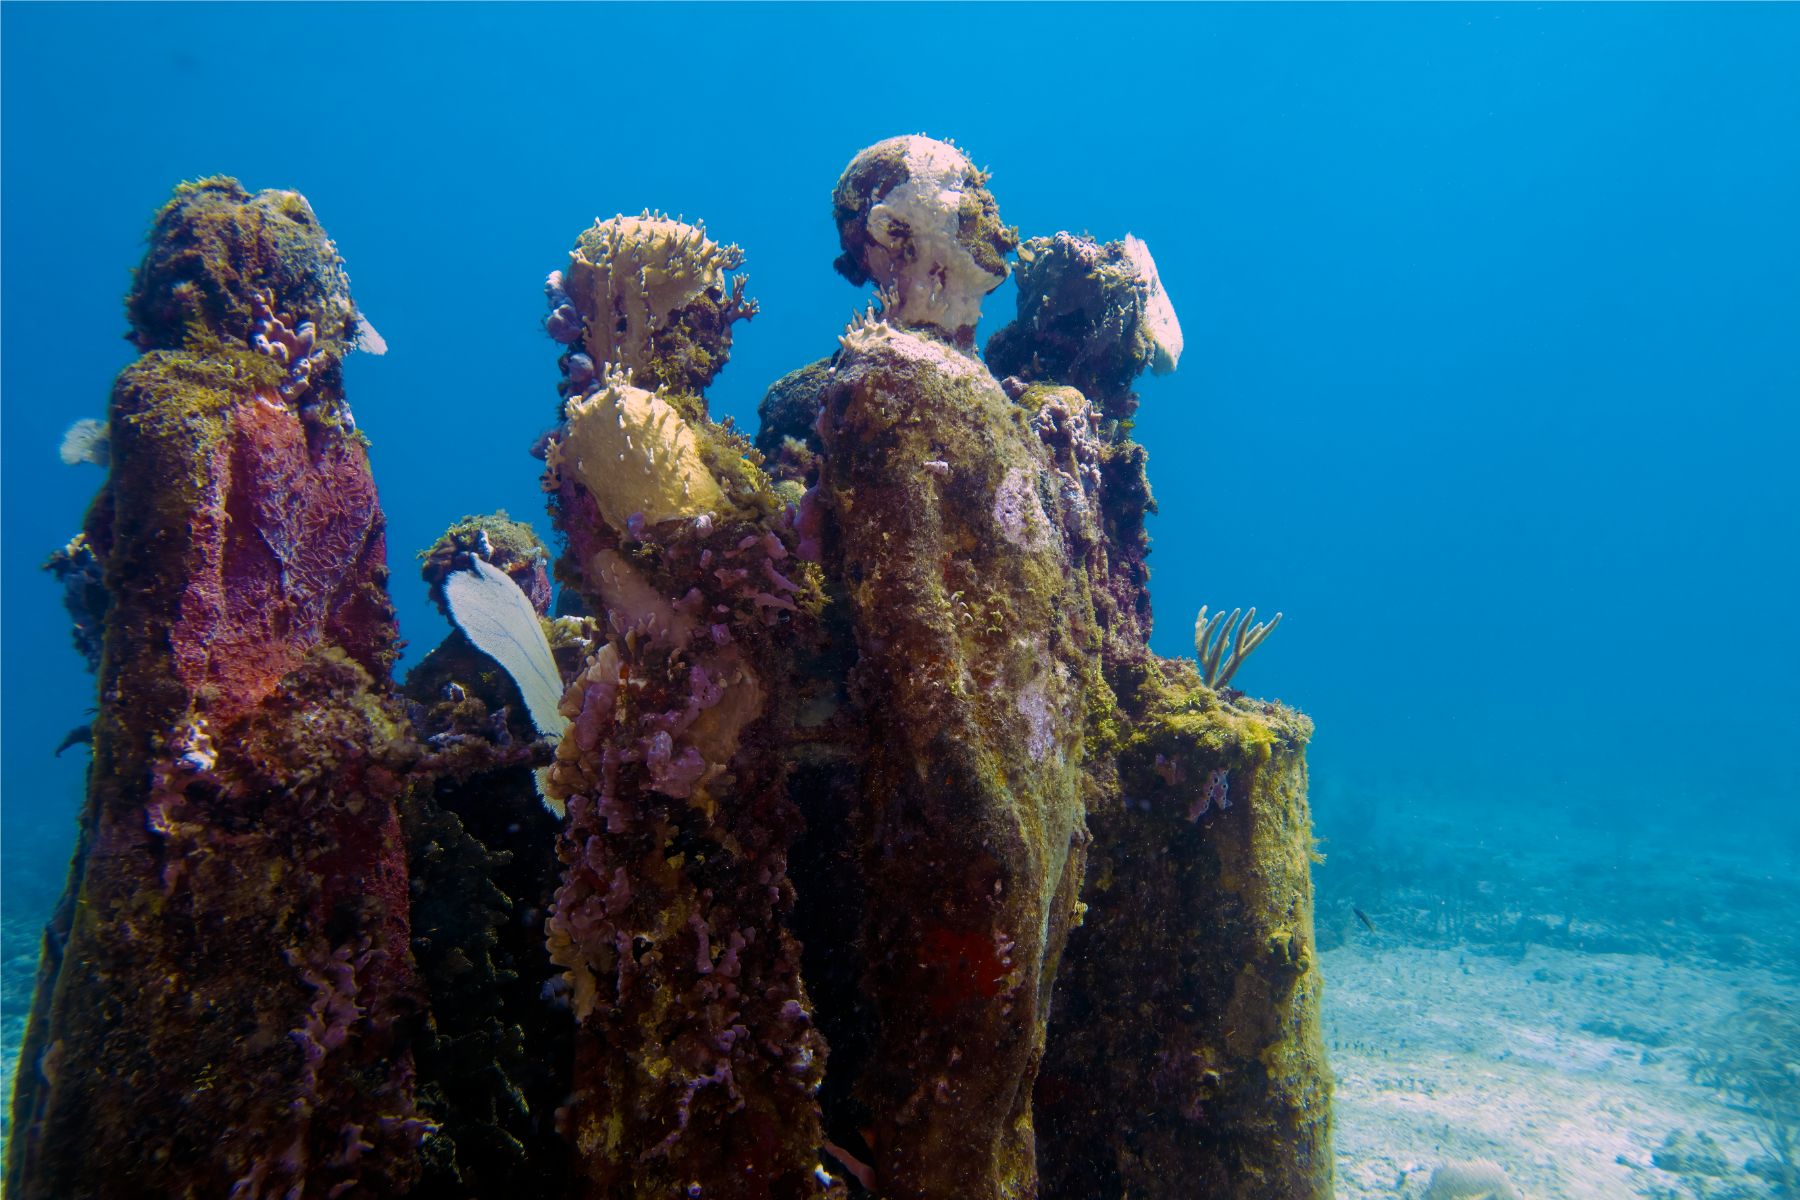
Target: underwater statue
<point x="225" y="990"/>
<point x="976" y="675"/>
<point x="839" y="835"/>
<point x="696" y="1057"/>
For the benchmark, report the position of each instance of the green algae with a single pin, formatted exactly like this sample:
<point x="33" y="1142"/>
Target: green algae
<point x="214" y="245"/>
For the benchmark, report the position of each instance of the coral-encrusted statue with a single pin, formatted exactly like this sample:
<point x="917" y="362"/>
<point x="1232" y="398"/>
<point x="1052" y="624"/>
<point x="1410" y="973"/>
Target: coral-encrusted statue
<point x="493" y="1058"/>
<point x="1184" y="1055"/>
<point x="977" y="677"/>
<point x="224" y="992"/>
<point x="696" y="1059"/>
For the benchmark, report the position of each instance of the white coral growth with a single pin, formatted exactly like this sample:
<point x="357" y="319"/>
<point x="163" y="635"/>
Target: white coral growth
<point x="916" y="235"/>
<point x="87" y="441"/>
<point x="498" y="617"/>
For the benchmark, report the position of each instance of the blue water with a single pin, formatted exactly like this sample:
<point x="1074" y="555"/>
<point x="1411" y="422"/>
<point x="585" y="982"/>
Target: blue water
<point x="1491" y="380"/>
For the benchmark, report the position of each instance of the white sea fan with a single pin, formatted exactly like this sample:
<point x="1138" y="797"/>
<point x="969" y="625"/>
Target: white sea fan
<point x="367" y="340"/>
<point x="87" y="440"/>
<point x="498" y="617"/>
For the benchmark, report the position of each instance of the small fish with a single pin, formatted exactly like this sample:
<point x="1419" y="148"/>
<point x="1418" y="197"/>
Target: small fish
<point x="1364" y="918"/>
<point x="850" y="1163"/>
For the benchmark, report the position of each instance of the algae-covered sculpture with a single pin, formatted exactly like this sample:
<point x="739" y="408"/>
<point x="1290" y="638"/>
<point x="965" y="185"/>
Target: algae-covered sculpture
<point x="1184" y="1055"/>
<point x="976" y="678"/>
<point x="225" y="991"/>
<point x="883" y="857"/>
<point x="493" y="1050"/>
<point x="696" y="1058"/>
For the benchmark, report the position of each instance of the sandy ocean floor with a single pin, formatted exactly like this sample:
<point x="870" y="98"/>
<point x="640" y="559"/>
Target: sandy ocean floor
<point x="1536" y="992"/>
<point x="1564" y="1068"/>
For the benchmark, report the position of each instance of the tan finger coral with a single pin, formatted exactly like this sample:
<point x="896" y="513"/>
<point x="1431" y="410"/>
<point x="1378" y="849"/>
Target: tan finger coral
<point x="636" y="456"/>
<point x="629" y="275"/>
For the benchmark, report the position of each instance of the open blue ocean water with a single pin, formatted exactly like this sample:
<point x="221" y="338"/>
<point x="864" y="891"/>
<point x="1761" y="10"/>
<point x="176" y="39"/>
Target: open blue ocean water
<point x="1492" y="387"/>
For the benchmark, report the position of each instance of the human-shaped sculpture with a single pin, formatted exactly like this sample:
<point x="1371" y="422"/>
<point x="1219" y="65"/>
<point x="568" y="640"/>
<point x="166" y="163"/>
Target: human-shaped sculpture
<point x="696" y="1063"/>
<point x="977" y="673"/>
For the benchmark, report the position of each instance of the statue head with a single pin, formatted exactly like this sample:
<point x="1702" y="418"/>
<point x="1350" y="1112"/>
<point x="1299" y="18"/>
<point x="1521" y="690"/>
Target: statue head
<point x="915" y="216"/>
<point x="649" y="294"/>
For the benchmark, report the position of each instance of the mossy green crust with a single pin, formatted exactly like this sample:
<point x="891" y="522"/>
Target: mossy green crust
<point x="494" y="1059"/>
<point x="511" y="545"/>
<point x="690" y="350"/>
<point x="1080" y="322"/>
<point x="1110" y="543"/>
<point x="974" y="645"/>
<point x="786" y="434"/>
<point x="213" y="245"/>
<point x="1185" y="1057"/>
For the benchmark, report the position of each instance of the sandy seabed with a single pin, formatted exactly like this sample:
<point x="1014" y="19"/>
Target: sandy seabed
<point x="1567" y="1069"/>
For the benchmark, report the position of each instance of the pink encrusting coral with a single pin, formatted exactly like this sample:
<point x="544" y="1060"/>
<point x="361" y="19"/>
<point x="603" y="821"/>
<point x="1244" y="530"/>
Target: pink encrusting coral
<point x="287" y="553"/>
<point x="684" y="978"/>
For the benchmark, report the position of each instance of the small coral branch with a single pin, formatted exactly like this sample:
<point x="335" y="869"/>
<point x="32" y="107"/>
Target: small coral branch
<point x="1242" y="636"/>
<point x="292" y="348"/>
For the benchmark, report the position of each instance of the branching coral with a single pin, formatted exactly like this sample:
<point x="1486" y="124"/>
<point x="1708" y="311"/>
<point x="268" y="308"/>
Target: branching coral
<point x="292" y="348"/>
<point x="1242" y="636"/>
